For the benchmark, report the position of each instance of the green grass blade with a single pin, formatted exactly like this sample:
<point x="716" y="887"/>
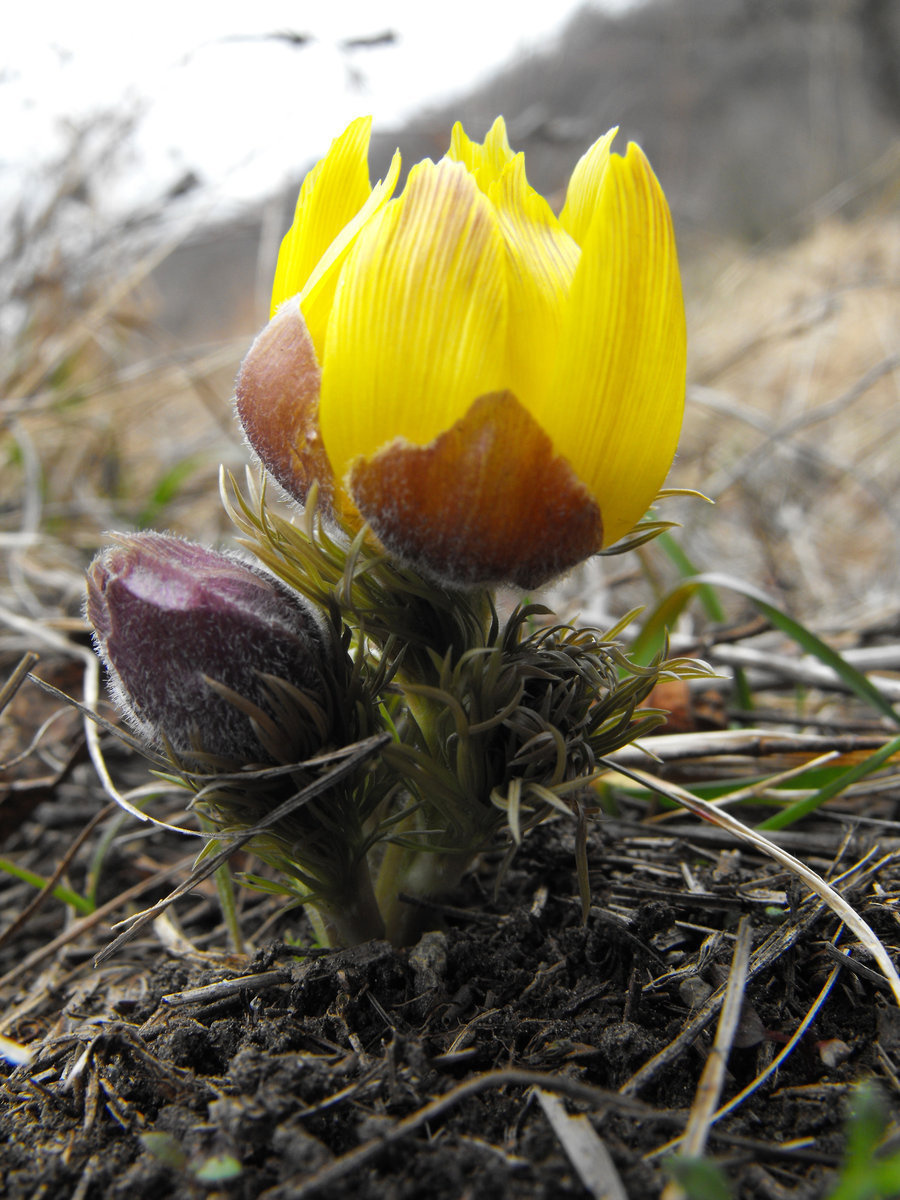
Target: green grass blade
<point x="678" y="599"/>
<point x="787" y="816"/>
<point x="61" y="893"/>
<point x="167" y="489"/>
<point x="709" y="598"/>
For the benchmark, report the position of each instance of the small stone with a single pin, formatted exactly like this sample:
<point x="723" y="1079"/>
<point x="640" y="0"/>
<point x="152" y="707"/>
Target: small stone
<point x="833" y="1052"/>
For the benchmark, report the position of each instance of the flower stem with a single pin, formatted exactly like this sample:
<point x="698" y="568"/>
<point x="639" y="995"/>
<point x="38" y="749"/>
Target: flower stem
<point x="353" y="916"/>
<point x="421" y="875"/>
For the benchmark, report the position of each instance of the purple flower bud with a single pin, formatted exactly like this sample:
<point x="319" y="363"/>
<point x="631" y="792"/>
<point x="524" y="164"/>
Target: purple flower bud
<point x="192" y="639"/>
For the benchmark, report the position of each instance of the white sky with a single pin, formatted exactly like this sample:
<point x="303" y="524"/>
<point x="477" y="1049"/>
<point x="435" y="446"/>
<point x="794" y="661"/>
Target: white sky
<point x="243" y="111"/>
<point x="215" y="96"/>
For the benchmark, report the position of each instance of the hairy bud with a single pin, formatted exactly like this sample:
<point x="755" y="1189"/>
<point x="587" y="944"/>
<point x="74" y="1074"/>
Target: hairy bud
<point x="207" y="654"/>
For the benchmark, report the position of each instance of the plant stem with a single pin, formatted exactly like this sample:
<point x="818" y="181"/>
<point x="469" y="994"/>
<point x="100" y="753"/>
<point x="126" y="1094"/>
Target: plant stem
<point x="424" y="712"/>
<point x="428" y="875"/>
<point x="353" y="916"/>
<point x="394" y="866"/>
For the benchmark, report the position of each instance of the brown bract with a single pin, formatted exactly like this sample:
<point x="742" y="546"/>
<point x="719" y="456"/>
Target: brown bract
<point x="277" y="396"/>
<point x="488" y="499"/>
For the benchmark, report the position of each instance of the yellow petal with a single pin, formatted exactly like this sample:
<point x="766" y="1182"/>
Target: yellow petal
<point x="332" y="193"/>
<point x="583" y="192"/>
<point x="418" y="325"/>
<point x="541" y="263"/>
<point x="317" y="296"/>
<point x="615" y="409"/>
<point x="485" y="160"/>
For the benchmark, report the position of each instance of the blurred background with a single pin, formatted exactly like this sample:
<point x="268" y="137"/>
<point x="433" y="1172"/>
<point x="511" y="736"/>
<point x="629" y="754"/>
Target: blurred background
<point x="148" y="174"/>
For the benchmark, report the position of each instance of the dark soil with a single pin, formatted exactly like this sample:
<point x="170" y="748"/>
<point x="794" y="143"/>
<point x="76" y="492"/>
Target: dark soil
<point x="323" y="1073"/>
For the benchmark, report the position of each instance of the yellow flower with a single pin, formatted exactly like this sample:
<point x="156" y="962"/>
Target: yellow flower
<point x="496" y="390"/>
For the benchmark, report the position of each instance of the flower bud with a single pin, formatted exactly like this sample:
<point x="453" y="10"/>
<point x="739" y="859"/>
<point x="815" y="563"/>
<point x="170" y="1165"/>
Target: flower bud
<point x="205" y="653"/>
<point x="496" y="390"/>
